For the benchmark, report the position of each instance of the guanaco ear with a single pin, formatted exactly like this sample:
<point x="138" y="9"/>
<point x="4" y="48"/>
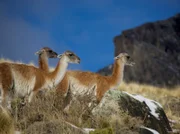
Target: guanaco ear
<point x="117" y="57"/>
<point x="59" y="56"/>
<point x="38" y="52"/>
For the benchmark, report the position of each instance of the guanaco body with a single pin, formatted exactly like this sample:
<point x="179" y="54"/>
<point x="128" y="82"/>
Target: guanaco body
<point x="21" y="80"/>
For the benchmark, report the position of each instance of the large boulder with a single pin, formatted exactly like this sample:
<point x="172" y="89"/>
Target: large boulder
<point x="151" y="112"/>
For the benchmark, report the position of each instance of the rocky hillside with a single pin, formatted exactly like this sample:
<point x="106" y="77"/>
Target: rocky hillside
<point x="155" y="47"/>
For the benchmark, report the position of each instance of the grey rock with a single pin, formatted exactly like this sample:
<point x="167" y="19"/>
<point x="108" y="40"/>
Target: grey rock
<point x="137" y="106"/>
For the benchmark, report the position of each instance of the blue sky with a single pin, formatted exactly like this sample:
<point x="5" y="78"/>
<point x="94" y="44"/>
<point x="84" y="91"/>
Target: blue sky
<point x="86" y="27"/>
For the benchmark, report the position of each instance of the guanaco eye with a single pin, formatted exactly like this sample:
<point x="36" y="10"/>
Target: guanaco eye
<point x="50" y="51"/>
<point x="70" y="54"/>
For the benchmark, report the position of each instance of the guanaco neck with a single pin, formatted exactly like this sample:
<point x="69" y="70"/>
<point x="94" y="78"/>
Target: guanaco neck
<point x="117" y="75"/>
<point x="59" y="72"/>
<point x="43" y="62"/>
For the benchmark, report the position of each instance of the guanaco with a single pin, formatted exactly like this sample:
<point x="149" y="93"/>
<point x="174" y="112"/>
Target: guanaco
<point x="20" y="80"/>
<point x="79" y="83"/>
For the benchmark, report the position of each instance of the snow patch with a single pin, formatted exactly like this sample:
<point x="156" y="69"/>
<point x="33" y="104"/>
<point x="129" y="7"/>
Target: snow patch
<point x="88" y="130"/>
<point x="153" y="105"/>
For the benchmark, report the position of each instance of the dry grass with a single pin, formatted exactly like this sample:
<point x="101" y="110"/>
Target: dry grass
<point x="150" y="91"/>
<point x="121" y="123"/>
<point x="6" y="122"/>
<point x="45" y="115"/>
<point x="44" y="108"/>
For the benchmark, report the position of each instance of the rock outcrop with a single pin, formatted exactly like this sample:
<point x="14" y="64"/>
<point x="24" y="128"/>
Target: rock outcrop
<point x="151" y="112"/>
<point x="155" y="47"/>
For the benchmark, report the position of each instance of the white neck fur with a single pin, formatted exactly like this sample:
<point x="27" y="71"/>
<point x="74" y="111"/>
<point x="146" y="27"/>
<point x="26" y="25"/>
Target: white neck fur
<point x="62" y="67"/>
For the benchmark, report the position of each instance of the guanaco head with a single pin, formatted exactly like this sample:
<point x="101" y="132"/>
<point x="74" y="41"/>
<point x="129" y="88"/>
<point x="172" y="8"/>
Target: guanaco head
<point x="125" y="58"/>
<point x="70" y="57"/>
<point x="49" y="52"/>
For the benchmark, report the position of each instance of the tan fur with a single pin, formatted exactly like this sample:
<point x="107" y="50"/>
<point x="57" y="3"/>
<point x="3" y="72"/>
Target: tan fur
<point x="22" y="80"/>
<point x="43" y="63"/>
<point x="87" y="80"/>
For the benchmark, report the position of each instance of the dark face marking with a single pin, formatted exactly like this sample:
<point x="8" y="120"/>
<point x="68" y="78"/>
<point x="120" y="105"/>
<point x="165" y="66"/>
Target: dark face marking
<point x="128" y="57"/>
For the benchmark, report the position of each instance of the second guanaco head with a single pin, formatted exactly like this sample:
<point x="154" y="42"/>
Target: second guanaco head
<point x="49" y="52"/>
<point x="70" y="57"/>
<point x="125" y="58"/>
